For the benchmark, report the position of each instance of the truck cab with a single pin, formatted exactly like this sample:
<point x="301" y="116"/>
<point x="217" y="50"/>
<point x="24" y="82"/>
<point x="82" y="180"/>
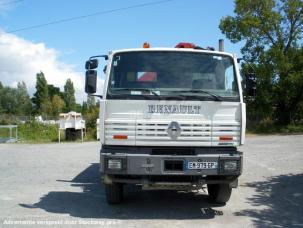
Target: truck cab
<point x="170" y="118"/>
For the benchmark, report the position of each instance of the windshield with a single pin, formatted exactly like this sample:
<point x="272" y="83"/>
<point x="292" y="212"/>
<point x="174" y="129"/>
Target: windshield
<point x="169" y="74"/>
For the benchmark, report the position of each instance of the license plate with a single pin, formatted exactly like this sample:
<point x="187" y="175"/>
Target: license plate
<point x="202" y="165"/>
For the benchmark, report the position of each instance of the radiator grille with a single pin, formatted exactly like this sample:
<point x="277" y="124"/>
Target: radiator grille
<point x="199" y="133"/>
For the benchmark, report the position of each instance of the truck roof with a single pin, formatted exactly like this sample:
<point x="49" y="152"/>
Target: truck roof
<point x="173" y="49"/>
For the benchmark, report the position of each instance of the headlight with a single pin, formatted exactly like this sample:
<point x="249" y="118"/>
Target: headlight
<point x="230" y="166"/>
<point x="114" y="164"/>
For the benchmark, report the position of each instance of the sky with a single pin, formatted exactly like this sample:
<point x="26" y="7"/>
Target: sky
<point x="60" y="50"/>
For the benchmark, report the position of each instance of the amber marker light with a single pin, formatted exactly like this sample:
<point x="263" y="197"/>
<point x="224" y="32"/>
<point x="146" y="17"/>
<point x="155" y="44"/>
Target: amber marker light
<point x="225" y="138"/>
<point x="120" y="137"/>
<point x="146" y="45"/>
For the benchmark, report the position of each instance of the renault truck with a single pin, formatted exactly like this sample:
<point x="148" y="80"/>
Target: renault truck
<point x="170" y="119"/>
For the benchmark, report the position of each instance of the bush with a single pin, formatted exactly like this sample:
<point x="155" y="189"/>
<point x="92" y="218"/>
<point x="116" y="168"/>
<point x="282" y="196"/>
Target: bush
<point x="37" y="132"/>
<point x="268" y="127"/>
<point x="91" y="118"/>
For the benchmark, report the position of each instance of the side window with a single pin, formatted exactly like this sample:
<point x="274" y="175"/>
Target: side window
<point x="229" y="79"/>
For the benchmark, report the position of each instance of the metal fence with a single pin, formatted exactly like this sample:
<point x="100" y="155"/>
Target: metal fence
<point x="6" y="119"/>
<point x="10" y="135"/>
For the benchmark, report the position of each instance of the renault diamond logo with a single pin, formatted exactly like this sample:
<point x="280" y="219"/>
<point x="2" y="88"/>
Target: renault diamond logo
<point x="174" y="130"/>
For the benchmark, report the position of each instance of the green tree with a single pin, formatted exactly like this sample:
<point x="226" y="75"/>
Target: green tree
<point x="15" y="101"/>
<point x="46" y="109"/>
<point x="1" y="91"/>
<point x="84" y="108"/>
<point x="91" y="101"/>
<point x="9" y="101"/>
<point x="41" y="95"/>
<point x="78" y="108"/>
<point x="24" y="101"/>
<point x="53" y="90"/>
<point x="69" y="96"/>
<point x="272" y="31"/>
<point x="57" y="105"/>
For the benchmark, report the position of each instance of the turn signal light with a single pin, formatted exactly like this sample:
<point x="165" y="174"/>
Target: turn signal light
<point x="120" y="137"/>
<point x="225" y="138"/>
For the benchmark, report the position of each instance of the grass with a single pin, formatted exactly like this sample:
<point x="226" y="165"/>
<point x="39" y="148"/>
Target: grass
<point x="34" y="132"/>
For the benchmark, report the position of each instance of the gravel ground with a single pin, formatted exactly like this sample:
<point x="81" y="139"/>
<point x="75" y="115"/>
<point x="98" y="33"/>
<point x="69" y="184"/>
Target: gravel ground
<point x="58" y="185"/>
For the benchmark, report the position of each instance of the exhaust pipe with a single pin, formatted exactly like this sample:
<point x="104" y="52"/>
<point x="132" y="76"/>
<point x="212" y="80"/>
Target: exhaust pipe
<point x="221" y="45"/>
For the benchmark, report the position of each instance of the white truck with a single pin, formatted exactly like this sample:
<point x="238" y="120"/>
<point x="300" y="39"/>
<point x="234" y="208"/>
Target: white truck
<point x="170" y="118"/>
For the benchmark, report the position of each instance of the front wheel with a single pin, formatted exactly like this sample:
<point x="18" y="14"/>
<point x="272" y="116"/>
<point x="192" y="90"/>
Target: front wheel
<point x="219" y="193"/>
<point x="114" y="193"/>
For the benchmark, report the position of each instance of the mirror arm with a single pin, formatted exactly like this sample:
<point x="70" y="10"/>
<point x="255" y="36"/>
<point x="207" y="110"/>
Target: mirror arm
<point x="99" y="56"/>
<point x="95" y="95"/>
<point x="240" y="59"/>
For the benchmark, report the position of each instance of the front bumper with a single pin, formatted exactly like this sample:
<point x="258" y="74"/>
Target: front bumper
<point x="142" y="162"/>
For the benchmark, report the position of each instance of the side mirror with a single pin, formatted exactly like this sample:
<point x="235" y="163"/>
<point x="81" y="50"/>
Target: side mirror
<point x="251" y="84"/>
<point x="91" y="81"/>
<point x="91" y="64"/>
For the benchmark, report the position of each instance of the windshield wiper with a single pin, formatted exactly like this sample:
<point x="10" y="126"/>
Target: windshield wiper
<point x="139" y="89"/>
<point x="215" y="96"/>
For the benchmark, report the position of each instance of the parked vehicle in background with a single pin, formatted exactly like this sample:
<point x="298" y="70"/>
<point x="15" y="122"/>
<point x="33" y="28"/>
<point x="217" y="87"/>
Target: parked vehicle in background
<point x="73" y="124"/>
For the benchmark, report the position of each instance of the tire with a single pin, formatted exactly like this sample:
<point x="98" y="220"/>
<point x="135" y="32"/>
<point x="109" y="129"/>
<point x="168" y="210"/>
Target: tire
<point x="114" y="193"/>
<point x="219" y="193"/>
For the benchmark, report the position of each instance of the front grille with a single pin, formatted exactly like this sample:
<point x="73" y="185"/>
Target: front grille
<point x="199" y="131"/>
<point x="193" y="133"/>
